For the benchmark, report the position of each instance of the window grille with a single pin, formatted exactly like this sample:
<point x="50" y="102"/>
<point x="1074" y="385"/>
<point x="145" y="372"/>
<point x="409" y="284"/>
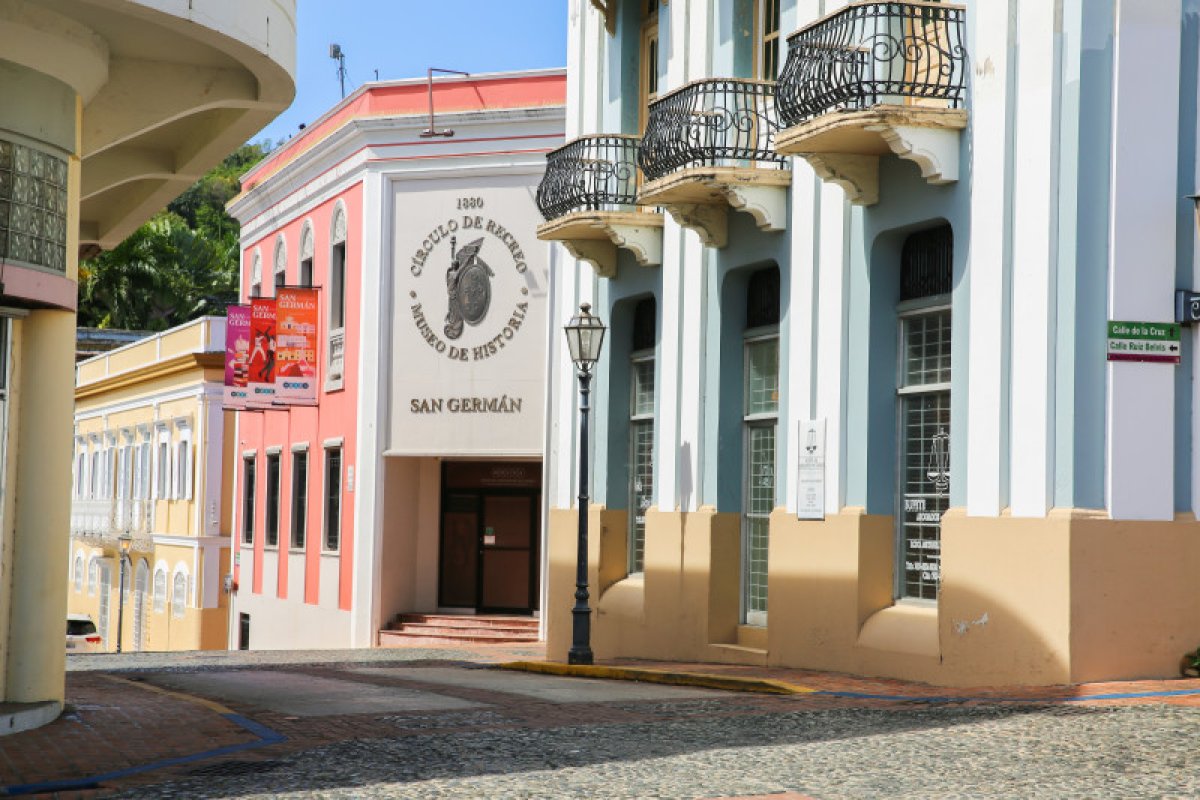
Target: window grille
<point x="761" y="411"/>
<point x="641" y="457"/>
<point x="924" y="412"/>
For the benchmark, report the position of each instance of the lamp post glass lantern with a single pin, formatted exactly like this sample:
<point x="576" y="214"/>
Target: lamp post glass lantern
<point x="126" y="542"/>
<point x="585" y="337"/>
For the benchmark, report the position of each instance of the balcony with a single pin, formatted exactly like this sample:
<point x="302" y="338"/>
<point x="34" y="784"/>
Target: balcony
<point x="588" y="197"/>
<point x="874" y="79"/>
<point x="101" y="522"/>
<point x="710" y="146"/>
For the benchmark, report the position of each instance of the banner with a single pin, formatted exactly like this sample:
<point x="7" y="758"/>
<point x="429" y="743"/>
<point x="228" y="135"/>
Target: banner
<point x="296" y="370"/>
<point x="262" y="352"/>
<point x="237" y="356"/>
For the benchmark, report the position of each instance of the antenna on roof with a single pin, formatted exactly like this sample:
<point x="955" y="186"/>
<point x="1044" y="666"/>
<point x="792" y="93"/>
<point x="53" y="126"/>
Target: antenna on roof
<point x="432" y="130"/>
<point x="335" y="52"/>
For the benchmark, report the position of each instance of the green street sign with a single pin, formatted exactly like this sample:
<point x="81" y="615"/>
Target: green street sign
<point x="1147" y="342"/>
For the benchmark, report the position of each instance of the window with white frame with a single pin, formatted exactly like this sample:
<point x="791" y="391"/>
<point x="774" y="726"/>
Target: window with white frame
<point x="78" y="573"/>
<point x="163" y="468"/>
<point x="333" y="497"/>
<point x="760" y="423"/>
<point x="280" y="274"/>
<point x="248" y="488"/>
<point x="160" y="589"/>
<point x="80" y="463"/>
<point x="183" y="468"/>
<point x="94" y="472"/>
<point x="306" y="255"/>
<point x="299" y="497"/>
<point x="923" y="396"/>
<point x="93" y="576"/>
<point x="256" y="275"/>
<point x="641" y="428"/>
<point x="273" y="491"/>
<point x="179" y="593"/>
<point x="337" y="271"/>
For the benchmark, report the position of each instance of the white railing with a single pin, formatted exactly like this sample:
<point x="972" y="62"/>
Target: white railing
<point x="112" y="517"/>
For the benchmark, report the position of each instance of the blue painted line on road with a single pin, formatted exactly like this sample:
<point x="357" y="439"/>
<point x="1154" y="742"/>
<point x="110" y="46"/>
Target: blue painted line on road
<point x="905" y="698"/>
<point x="265" y="735"/>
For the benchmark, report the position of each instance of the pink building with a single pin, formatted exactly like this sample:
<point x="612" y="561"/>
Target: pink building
<point x="414" y="484"/>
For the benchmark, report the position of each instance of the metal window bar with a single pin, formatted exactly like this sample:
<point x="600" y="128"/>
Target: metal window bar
<point x="592" y="173"/>
<point x="871" y="53"/>
<point x="761" y="406"/>
<point x="641" y="457"/>
<point x="724" y="122"/>
<point x="924" y="419"/>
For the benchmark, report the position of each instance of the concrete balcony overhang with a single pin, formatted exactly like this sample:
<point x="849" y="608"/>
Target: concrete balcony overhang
<point x="164" y="92"/>
<point x="594" y="236"/>
<point x="844" y="146"/>
<point x="699" y="198"/>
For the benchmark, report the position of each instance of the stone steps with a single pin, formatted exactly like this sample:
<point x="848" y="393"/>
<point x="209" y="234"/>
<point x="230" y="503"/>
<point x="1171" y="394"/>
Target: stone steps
<point x="452" y="629"/>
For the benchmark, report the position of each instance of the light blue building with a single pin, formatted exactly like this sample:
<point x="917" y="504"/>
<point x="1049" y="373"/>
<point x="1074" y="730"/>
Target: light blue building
<point x="861" y="406"/>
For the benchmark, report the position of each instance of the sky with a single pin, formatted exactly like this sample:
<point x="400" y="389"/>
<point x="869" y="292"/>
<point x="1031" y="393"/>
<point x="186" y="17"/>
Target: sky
<point x="403" y="38"/>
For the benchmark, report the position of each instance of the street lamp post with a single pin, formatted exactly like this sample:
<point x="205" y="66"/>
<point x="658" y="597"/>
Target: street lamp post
<point x="126" y="541"/>
<point x="585" y="336"/>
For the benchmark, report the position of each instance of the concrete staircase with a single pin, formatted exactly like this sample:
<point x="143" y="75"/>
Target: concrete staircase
<point x="431" y="630"/>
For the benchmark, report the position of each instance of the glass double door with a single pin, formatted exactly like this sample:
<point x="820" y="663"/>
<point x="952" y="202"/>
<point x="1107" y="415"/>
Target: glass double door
<point x="489" y="550"/>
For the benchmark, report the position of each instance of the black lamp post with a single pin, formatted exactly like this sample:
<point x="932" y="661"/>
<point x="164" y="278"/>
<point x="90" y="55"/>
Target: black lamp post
<point x="585" y="335"/>
<point x="126" y="541"/>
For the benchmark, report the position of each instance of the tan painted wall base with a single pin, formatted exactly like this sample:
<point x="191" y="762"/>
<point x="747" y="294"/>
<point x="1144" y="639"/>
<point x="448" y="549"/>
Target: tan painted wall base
<point x="1072" y="597"/>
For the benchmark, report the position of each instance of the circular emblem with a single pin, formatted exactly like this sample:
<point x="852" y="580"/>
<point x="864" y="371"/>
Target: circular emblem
<point x="474" y="292"/>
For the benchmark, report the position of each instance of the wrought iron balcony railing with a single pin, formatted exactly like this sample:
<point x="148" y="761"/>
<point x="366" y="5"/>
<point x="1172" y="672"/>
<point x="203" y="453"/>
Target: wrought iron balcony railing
<point x="724" y="122"/>
<point x="591" y="173"/>
<point x="871" y="53"/>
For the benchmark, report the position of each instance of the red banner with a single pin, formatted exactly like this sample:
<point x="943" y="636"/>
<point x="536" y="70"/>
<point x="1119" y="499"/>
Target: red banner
<point x="296" y="370"/>
<point x="262" y="352"/>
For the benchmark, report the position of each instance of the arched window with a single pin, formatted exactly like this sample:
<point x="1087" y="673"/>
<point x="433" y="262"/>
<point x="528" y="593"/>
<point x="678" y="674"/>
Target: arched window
<point x="336" y="349"/>
<point x="160" y="589"/>
<point x="179" y="594"/>
<point x="641" y="427"/>
<point x="256" y="275"/>
<point x="280" y="272"/>
<point x="79" y="573"/>
<point x="306" y="255"/>
<point x="93" y="575"/>
<point x="760" y="422"/>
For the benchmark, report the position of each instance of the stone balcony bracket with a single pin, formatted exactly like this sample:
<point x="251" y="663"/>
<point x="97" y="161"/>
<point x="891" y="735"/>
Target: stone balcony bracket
<point x="844" y="147"/>
<point x="699" y="198"/>
<point x="594" y="236"/>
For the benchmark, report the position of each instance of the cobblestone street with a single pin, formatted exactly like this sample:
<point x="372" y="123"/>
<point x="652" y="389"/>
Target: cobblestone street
<point x="441" y="723"/>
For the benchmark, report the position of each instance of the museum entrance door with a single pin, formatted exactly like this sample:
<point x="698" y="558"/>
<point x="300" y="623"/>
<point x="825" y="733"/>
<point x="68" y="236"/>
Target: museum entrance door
<point x="489" y="536"/>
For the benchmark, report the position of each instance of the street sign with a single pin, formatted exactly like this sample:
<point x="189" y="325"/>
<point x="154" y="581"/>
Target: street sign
<point x="810" y="497"/>
<point x="1153" y="342"/>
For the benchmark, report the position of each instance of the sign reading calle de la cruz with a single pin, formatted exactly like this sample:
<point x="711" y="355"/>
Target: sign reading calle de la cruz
<point x="1154" y="342"/>
<point x="469" y="326"/>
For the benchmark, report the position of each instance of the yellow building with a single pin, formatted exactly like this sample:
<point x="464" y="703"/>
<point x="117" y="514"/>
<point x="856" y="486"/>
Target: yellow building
<point x="110" y="109"/>
<point x="150" y="439"/>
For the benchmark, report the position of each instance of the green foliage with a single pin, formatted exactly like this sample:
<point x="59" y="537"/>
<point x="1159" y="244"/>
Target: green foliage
<point x="180" y="265"/>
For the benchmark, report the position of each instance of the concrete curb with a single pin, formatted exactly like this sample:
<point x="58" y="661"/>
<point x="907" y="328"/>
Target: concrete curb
<point x="727" y="683"/>
<point x="20" y="717"/>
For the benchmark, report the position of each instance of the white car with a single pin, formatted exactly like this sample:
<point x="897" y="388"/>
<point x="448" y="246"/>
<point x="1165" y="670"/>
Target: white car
<point x="82" y="636"/>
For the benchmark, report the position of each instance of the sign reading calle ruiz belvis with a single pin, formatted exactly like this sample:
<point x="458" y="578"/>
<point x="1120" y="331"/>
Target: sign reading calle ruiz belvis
<point x="469" y="326"/>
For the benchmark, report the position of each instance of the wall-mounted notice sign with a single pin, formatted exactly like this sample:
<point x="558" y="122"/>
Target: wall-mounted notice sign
<point x="810" y="497"/>
<point x="1153" y="342"/>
